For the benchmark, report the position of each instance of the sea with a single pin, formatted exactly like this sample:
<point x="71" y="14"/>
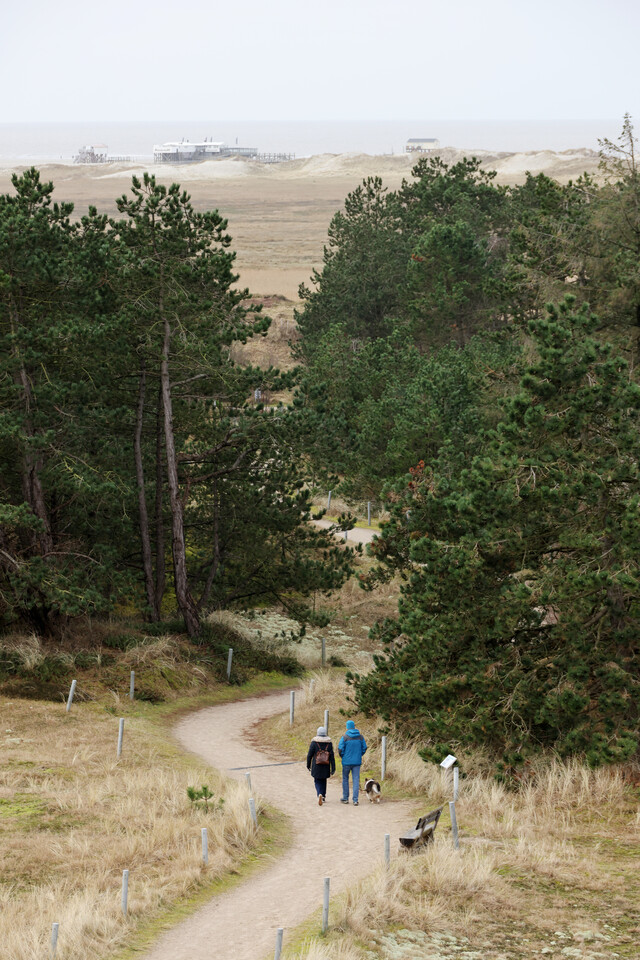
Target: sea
<point x="22" y="143"/>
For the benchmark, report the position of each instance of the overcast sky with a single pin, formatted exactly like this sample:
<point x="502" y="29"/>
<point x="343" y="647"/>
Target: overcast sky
<point x="329" y="60"/>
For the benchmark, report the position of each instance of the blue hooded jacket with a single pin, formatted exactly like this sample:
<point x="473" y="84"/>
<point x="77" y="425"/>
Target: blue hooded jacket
<point x="352" y="746"/>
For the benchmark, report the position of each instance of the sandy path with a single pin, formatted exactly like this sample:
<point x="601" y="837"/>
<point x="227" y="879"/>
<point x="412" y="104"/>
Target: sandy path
<point x="355" y="535"/>
<point x="337" y="841"/>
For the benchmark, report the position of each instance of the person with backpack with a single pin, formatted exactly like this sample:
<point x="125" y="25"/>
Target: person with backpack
<point x="352" y="748"/>
<point x="321" y="762"/>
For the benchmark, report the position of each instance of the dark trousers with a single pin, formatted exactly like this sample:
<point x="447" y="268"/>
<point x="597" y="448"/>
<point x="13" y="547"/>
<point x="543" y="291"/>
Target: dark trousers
<point x="321" y="786"/>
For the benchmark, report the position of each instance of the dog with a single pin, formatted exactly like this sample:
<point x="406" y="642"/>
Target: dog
<point x="372" y="790"/>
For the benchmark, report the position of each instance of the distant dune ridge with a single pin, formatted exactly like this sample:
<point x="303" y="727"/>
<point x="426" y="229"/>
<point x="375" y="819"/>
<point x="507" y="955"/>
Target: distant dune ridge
<point x="510" y="167"/>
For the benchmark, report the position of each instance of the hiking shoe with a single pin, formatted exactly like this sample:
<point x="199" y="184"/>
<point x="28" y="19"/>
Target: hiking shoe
<point x="343" y="800"/>
<point x="320" y="799"/>
<point x="355" y="803"/>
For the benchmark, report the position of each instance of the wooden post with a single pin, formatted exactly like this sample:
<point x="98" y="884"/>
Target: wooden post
<point x="326" y="722"/>
<point x="454" y="824"/>
<point x="132" y="683"/>
<point x="324" y="651"/>
<point x="329" y="502"/>
<point x="312" y="684"/>
<point x="346" y="535"/>
<point x="279" y="936"/>
<point x="383" y="767"/>
<point x="229" y="659"/>
<point x="71" y="693"/>
<point x="252" y="808"/>
<point x="125" y="891"/>
<point x="456" y="783"/>
<point x="387" y="849"/>
<point x="369" y="513"/>
<point x="247" y="777"/>
<point x="292" y="707"/>
<point x="325" y="905"/>
<point x="120" y="736"/>
<point x="54" y="939"/>
<point x="205" y="846"/>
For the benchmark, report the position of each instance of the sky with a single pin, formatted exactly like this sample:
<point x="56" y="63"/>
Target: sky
<point x="293" y="60"/>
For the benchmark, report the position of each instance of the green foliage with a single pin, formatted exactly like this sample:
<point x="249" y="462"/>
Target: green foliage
<point x="517" y="626"/>
<point x="203" y="798"/>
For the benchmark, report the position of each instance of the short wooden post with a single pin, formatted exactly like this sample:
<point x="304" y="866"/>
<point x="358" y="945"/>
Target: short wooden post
<point x="279" y="936"/>
<point x="454" y="824"/>
<point x="252" y="808"/>
<point x="369" y="513"/>
<point x="205" y="846"/>
<point x="71" y="693"/>
<point x="325" y="905"/>
<point x="132" y="683"/>
<point x="326" y="722"/>
<point x="387" y="849"/>
<point x="383" y="766"/>
<point x="329" y="502"/>
<point x="229" y="659"/>
<point x="311" y="687"/>
<point x="292" y="707"/>
<point x="346" y="535"/>
<point x="247" y="777"/>
<point x="323" y="641"/>
<point x="54" y="939"/>
<point x="125" y="891"/>
<point x="120" y="736"/>
<point x="456" y="783"/>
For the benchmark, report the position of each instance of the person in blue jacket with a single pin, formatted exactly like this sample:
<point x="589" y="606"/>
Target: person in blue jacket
<point x="352" y="748"/>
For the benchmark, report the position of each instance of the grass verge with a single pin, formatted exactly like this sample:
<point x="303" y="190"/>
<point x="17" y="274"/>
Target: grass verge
<point x="73" y="817"/>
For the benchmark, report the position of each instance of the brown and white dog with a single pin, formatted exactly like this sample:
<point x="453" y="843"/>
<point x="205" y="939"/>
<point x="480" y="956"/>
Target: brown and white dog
<point x="372" y="790"/>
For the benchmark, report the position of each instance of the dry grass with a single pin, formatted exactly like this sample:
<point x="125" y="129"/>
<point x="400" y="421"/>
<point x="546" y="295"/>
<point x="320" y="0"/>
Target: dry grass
<point x="72" y="823"/>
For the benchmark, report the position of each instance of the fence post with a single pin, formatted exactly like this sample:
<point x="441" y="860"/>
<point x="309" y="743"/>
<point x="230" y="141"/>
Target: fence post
<point x="383" y="766"/>
<point x="454" y="824"/>
<point x="125" y="891"/>
<point x="456" y="783"/>
<point x="329" y="502"/>
<point x="120" y="736"/>
<point x="71" y="693"/>
<point x="279" y="936"/>
<point x="346" y="535"/>
<point x="323" y="641"/>
<point x="325" y="905"/>
<point x="229" y="659"/>
<point x="132" y="682"/>
<point x="252" y="808"/>
<point x="54" y="939"/>
<point x="387" y="849"/>
<point x="326" y="722"/>
<point x="247" y="777"/>
<point x="312" y="684"/>
<point x="292" y="707"/>
<point x="369" y="513"/>
<point x="205" y="846"/>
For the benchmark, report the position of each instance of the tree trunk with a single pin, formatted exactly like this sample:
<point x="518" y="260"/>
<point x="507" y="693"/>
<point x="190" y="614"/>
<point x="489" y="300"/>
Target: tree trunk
<point x="215" y="566"/>
<point x="186" y="603"/>
<point x="143" y="514"/>
<point x="160" y="558"/>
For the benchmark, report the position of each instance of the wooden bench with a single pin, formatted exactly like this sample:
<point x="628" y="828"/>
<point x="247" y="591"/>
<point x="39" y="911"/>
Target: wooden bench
<point x="423" y="831"/>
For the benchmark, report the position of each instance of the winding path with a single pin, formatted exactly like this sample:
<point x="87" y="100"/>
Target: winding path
<point x="337" y="841"/>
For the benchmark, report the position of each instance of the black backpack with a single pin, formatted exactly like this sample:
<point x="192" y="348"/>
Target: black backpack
<point x="322" y="753"/>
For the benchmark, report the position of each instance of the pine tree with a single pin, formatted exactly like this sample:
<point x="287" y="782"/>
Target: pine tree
<point x="517" y="627"/>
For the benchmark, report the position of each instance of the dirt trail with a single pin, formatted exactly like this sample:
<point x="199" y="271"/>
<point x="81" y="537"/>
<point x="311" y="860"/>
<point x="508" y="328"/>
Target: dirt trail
<point x="337" y="841"/>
